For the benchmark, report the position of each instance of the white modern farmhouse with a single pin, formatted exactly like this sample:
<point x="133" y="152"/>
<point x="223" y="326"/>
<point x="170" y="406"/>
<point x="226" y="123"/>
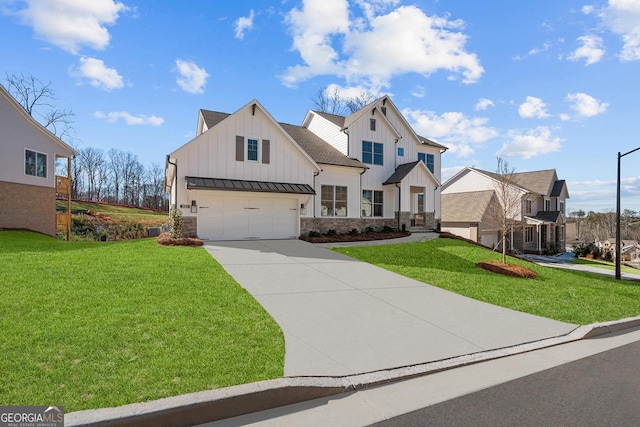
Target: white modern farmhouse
<point x="247" y="176"/>
<point x="28" y="184"/>
<point x="471" y="196"/>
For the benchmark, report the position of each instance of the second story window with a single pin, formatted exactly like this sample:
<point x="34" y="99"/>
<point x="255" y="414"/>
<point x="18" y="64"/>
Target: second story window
<point x="372" y="124"/>
<point x="428" y="160"/>
<point x="547" y="205"/>
<point x="527" y="206"/>
<point x="562" y="207"/>
<point x="372" y="153"/>
<point x="252" y="150"/>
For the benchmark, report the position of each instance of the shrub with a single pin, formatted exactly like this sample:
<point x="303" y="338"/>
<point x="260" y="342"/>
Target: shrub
<point x="387" y="229"/>
<point x="331" y="232"/>
<point x="353" y="231"/>
<point x="175" y="223"/>
<point x="607" y="256"/>
<point x="314" y="234"/>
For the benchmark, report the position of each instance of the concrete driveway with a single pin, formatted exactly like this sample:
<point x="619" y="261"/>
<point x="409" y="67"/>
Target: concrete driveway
<point x="341" y="316"/>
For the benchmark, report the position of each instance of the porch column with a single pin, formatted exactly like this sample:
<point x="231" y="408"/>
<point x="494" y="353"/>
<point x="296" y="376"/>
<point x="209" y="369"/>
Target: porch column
<point x="539" y="233"/>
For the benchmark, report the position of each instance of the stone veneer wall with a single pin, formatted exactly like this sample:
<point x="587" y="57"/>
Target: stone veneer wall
<point x="189" y="226"/>
<point x="29" y="207"/>
<point x="345" y="225"/>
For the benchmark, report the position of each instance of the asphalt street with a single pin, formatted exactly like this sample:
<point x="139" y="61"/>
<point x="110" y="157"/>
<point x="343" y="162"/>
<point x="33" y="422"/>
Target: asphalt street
<point x="601" y="390"/>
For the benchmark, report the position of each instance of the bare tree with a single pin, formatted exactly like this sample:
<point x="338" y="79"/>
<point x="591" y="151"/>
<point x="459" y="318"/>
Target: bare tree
<point x="37" y="98"/>
<point x="330" y="100"/>
<point x="93" y="166"/>
<point x="508" y="212"/>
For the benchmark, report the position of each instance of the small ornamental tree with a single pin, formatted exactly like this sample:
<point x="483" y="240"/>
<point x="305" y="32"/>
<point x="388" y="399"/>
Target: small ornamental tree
<point x="175" y="223"/>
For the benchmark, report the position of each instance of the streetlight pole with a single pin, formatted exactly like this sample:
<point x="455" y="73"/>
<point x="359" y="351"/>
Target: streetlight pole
<point x="618" y="248"/>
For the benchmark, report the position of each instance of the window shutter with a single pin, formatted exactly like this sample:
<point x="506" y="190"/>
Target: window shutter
<point x="266" y="156"/>
<point x="239" y="148"/>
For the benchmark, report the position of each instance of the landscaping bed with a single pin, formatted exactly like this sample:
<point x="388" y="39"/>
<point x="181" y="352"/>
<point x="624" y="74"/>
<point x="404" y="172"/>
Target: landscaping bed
<point x="355" y="237"/>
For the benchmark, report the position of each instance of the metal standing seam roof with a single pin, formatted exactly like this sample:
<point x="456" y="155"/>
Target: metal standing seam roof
<point x="197" y="183"/>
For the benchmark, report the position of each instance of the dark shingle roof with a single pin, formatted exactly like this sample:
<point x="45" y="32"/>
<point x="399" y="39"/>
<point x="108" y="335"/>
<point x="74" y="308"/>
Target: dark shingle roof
<point x="212" y="118"/>
<point x="427" y="141"/>
<point x="400" y="172"/>
<point x="318" y="149"/>
<point x="333" y="118"/>
<point x="547" y="216"/>
<point x="557" y="188"/>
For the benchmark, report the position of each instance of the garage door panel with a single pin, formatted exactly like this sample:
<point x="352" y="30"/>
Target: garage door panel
<point x="247" y="217"/>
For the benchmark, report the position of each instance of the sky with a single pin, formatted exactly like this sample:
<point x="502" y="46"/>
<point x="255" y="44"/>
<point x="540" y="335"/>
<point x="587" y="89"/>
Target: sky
<point x="542" y="84"/>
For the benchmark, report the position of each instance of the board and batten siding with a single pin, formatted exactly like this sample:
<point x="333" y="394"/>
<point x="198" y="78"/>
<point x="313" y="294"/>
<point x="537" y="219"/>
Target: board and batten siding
<point x="213" y="153"/>
<point x="329" y="132"/>
<point x="340" y="176"/>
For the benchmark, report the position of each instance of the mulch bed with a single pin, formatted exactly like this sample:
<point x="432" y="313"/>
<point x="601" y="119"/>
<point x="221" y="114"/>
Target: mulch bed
<point x="166" y="240"/>
<point x="360" y="237"/>
<point x="508" y="269"/>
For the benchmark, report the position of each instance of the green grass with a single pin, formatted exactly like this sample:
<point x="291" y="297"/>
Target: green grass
<point x="605" y="265"/>
<point x="120" y="213"/>
<point x="565" y="295"/>
<point x="90" y="325"/>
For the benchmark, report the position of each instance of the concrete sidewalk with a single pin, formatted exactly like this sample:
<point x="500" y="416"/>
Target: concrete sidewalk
<point x="341" y="316"/>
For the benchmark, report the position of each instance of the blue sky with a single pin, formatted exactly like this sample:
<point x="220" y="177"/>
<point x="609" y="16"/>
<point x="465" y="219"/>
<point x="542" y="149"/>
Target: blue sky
<point x="542" y="84"/>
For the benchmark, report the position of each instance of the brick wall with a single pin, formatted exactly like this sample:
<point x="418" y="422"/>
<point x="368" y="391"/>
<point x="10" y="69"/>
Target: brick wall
<point x="28" y="206"/>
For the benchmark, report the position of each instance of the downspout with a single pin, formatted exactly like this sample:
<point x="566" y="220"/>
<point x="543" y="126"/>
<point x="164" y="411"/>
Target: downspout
<point x="361" y="173"/>
<point x="175" y="178"/>
<point x="399" y="204"/>
<point x="315" y="195"/>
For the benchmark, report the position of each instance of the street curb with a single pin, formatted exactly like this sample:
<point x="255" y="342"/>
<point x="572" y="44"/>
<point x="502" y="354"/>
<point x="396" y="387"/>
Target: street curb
<point x="214" y="405"/>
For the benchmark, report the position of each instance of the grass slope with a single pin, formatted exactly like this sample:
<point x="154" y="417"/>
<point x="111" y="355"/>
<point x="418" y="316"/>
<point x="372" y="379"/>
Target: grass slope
<point x="89" y="325"/>
<point x="120" y="213"/>
<point x="565" y="295"/>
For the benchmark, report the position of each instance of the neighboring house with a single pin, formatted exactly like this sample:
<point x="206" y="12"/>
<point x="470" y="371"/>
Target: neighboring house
<point x="540" y="214"/>
<point x="630" y="249"/>
<point x="28" y="184"/>
<point x="247" y="176"/>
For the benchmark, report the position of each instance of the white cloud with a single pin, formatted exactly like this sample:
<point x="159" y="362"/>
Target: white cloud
<point x="71" y="24"/>
<point x="545" y="46"/>
<point x="98" y="74"/>
<point x="453" y="129"/>
<point x="622" y="17"/>
<point x="244" y="23"/>
<point x="191" y="79"/>
<point x="587" y="9"/>
<point x="585" y="105"/>
<point x="129" y="119"/>
<point x="483" y="104"/>
<point x="419" y="92"/>
<point x="530" y="143"/>
<point x="591" y="50"/>
<point x="372" y="49"/>
<point x="533" y="107"/>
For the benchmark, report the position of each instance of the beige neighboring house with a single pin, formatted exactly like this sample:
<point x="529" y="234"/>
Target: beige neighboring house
<point x="469" y="197"/>
<point x="630" y="249"/>
<point x="469" y="215"/>
<point x="28" y="183"/>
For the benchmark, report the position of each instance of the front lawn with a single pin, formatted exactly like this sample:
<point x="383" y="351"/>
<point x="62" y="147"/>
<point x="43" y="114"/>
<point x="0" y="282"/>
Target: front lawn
<point x="605" y="265"/>
<point x="98" y="324"/>
<point x="565" y="295"/>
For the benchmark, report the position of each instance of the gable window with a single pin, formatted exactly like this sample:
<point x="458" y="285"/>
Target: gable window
<point x="372" y="124"/>
<point x="333" y="200"/>
<point x="400" y="152"/>
<point x="528" y="234"/>
<point x="527" y="206"/>
<point x="252" y="150"/>
<point x="428" y="160"/>
<point x="384" y="110"/>
<point x="562" y="207"/>
<point x="372" y="153"/>
<point x="35" y="163"/>
<point x="372" y="203"/>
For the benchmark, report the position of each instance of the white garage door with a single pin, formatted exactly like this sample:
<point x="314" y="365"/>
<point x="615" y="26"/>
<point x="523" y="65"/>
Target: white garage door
<point x="246" y="216"/>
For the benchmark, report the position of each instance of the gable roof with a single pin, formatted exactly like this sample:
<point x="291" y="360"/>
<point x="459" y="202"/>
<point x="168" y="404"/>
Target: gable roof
<point x="318" y="149"/>
<point x="544" y="182"/>
<point x="431" y="142"/>
<point x="405" y="169"/>
<point x="465" y="207"/>
<point x="557" y="188"/>
<point x="333" y="118"/>
<point x="315" y="147"/>
<point x="20" y="109"/>
<point x="547" y="216"/>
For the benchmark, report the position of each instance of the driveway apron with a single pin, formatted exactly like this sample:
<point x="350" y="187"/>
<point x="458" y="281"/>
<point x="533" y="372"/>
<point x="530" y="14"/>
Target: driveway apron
<point x="341" y="316"/>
